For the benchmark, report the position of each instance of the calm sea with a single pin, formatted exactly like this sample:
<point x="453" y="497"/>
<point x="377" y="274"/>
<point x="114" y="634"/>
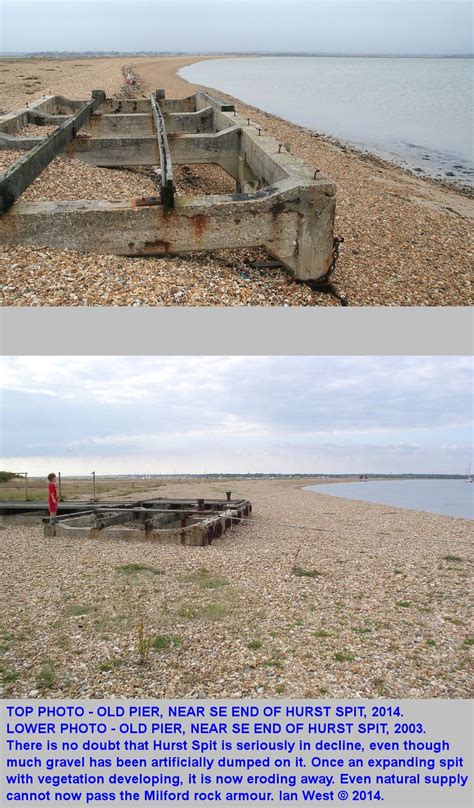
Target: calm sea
<point x="416" y="112"/>
<point x="447" y="497"/>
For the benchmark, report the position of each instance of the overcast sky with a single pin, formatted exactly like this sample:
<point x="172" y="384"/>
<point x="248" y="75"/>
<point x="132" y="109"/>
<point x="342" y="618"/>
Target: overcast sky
<point x="238" y="414"/>
<point x="380" y="26"/>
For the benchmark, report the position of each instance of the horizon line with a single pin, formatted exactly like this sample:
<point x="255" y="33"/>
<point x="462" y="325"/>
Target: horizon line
<point x="262" y="474"/>
<point x="323" y="54"/>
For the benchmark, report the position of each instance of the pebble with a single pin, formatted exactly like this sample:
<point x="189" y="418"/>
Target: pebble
<point x="298" y="623"/>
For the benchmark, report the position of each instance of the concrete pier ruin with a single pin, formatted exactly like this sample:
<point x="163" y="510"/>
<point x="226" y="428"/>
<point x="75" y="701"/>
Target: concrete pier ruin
<point x="188" y="522"/>
<point x="279" y="202"/>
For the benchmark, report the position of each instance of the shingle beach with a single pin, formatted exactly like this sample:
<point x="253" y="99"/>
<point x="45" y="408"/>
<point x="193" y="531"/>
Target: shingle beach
<point x="406" y="238"/>
<point x="312" y="597"/>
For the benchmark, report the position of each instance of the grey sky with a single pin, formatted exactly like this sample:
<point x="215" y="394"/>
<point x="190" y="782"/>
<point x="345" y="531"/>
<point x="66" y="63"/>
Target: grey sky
<point x="237" y="414"/>
<point x="381" y="26"/>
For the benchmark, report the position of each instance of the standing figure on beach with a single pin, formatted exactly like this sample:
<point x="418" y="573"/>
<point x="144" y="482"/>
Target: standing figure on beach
<point x="52" y="498"/>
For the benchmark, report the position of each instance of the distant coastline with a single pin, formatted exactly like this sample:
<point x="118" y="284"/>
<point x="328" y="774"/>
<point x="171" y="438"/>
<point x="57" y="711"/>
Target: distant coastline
<point x="217" y="54"/>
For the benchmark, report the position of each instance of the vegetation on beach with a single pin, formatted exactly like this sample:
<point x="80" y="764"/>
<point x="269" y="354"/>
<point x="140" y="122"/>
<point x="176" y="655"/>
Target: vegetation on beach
<point x="129" y="569"/>
<point x="96" y="619"/>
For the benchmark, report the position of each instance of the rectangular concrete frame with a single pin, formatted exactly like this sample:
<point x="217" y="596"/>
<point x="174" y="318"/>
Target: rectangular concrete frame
<point x="280" y="203"/>
<point x="197" y="527"/>
<point x="33" y="512"/>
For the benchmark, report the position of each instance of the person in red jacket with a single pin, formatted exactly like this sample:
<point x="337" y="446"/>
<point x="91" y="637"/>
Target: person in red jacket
<point x="52" y="498"/>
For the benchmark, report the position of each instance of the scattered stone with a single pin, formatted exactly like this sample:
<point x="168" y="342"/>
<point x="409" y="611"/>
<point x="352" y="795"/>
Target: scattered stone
<point x="297" y="626"/>
<point x="398" y="233"/>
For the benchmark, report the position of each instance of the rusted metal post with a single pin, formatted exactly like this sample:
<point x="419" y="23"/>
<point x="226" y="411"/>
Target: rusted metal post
<point x="167" y="180"/>
<point x="26" y="486"/>
<point x="94" y="498"/>
<point x="228" y="495"/>
<point x="59" y="487"/>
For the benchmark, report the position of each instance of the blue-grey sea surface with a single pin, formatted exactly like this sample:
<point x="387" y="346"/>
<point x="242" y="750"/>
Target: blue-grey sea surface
<point x="446" y="497"/>
<point x="414" y="111"/>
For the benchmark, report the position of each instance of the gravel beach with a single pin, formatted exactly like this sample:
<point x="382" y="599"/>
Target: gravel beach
<point x="406" y="238"/>
<point x="314" y="596"/>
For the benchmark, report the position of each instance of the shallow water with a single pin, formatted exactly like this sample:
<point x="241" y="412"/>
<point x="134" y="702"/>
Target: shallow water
<point x="446" y="497"/>
<point x="413" y="111"/>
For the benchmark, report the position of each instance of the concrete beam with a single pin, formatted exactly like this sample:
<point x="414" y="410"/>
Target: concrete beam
<point x="41" y="119"/>
<point x="60" y="105"/>
<point x="253" y="161"/>
<point x="114" y="152"/>
<point x="204" y="99"/>
<point x="121" y="124"/>
<point x="125" y="105"/>
<point x="196" y="534"/>
<point x="13" y="143"/>
<point x="46" y="106"/>
<point x="178" y="104"/>
<point x="127" y="125"/>
<point x="10" y="124"/>
<point x="220" y="148"/>
<point x="190" y="122"/>
<point x="293" y="222"/>
<point x="137" y="124"/>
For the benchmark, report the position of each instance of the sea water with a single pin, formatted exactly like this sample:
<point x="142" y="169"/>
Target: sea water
<point x="415" y="111"/>
<point x="446" y="497"/>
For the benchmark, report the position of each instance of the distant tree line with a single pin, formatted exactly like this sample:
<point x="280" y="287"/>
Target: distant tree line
<point x="273" y="476"/>
<point x="6" y="476"/>
<point x="323" y="54"/>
